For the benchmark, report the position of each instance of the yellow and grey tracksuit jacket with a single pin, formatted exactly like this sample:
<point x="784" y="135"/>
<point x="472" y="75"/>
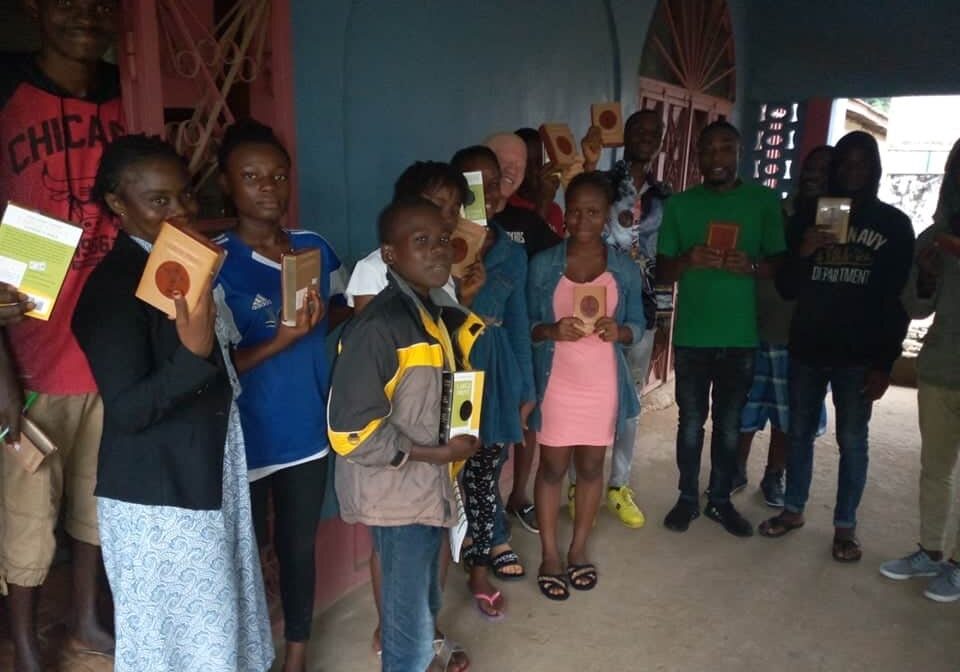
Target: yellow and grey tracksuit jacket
<point x="385" y="397"/>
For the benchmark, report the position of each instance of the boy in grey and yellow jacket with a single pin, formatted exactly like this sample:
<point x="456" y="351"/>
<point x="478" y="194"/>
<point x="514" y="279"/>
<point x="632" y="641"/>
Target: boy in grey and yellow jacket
<point x="384" y="422"/>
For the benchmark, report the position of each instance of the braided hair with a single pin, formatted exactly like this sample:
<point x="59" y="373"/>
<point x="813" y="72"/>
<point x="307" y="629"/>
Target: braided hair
<point x="247" y="131"/>
<point x="126" y="151"/>
<point x="595" y="179"/>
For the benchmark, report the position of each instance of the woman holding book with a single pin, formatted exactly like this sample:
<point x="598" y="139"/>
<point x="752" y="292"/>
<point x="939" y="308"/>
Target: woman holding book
<point x="282" y="361"/>
<point x="503" y="353"/>
<point x="173" y="504"/>
<point x="585" y="302"/>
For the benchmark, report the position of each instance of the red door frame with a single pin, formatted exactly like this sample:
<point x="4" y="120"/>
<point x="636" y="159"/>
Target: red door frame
<point x="343" y="551"/>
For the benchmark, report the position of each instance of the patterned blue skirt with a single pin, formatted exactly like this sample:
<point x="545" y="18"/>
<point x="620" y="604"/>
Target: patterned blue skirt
<point x="187" y="586"/>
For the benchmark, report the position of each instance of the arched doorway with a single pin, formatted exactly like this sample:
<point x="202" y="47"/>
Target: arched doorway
<point x="688" y="74"/>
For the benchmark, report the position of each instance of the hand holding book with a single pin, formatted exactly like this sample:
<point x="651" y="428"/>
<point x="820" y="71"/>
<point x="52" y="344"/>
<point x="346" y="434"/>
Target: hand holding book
<point x="701" y="256"/>
<point x="14" y="305"/>
<point x="308" y="316"/>
<point x="196" y="327"/>
<point x="815" y="238"/>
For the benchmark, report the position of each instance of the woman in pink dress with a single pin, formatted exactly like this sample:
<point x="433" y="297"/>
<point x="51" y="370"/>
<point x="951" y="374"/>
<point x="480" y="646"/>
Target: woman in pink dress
<point x="584" y="387"/>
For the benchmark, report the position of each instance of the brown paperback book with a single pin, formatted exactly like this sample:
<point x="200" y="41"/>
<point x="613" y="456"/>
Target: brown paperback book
<point x="299" y="273"/>
<point x="560" y="145"/>
<point x="466" y="242"/>
<point x="723" y="236"/>
<point x="608" y="117"/>
<point x="589" y="304"/>
<point x="833" y="216"/>
<point x="34" y="448"/>
<point x="180" y="261"/>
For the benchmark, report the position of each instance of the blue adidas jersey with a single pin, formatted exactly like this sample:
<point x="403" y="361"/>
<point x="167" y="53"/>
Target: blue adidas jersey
<point x="283" y="403"/>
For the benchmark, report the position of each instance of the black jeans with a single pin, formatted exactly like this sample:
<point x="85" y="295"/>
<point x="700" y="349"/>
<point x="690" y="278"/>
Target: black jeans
<point x="729" y="372"/>
<point x="297" y="497"/>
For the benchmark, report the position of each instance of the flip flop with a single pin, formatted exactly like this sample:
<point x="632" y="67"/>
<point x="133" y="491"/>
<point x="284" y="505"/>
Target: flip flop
<point x="846" y="550"/>
<point x="490" y="599"/>
<point x="548" y="582"/>
<point x="504" y="560"/>
<point x="778" y="526"/>
<point x="582" y="577"/>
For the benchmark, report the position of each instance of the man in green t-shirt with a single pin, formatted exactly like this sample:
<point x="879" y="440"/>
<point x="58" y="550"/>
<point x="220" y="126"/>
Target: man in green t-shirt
<point x="715" y="238"/>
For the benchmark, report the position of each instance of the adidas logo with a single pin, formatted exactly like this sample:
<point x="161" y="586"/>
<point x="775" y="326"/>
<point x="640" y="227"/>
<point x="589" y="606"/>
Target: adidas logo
<point x="260" y="301"/>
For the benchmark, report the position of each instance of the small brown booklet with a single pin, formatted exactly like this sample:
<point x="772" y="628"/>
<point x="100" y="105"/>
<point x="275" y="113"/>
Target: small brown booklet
<point x="560" y="145"/>
<point x="833" y="216"/>
<point x="299" y="273"/>
<point x="608" y="117"/>
<point x="34" y="447"/>
<point x="589" y="304"/>
<point x="180" y="261"/>
<point x="466" y="242"/>
<point x="723" y="236"/>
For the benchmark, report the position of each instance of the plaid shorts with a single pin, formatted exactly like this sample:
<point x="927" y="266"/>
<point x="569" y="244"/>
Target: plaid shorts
<point x="769" y="398"/>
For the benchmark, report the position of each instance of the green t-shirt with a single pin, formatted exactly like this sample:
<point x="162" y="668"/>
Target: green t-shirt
<point x="715" y="308"/>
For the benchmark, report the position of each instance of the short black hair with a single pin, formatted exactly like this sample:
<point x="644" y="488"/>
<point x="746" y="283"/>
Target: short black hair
<point x="472" y="153"/>
<point x="247" y="131"/>
<point x="390" y="216"/>
<point x="423" y="176"/>
<point x="595" y="179"/>
<point x="639" y="114"/>
<point x="714" y="127"/>
<point x="528" y="135"/>
<point x="126" y="151"/>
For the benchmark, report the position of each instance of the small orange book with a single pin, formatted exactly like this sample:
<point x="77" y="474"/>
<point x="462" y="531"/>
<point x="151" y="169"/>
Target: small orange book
<point x="299" y="273"/>
<point x="467" y="240"/>
<point x="589" y="304"/>
<point x="180" y="261"/>
<point x="723" y="235"/>
<point x="608" y="117"/>
<point x="559" y="143"/>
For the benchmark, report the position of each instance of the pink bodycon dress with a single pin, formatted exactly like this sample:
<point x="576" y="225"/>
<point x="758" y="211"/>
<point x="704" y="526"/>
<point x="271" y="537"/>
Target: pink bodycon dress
<point x="580" y="403"/>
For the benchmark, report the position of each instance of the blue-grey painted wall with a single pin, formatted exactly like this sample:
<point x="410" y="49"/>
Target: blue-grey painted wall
<point x="381" y="83"/>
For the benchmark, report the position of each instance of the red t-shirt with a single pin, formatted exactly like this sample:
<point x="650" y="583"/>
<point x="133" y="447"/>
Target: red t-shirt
<point x="554" y="215"/>
<point x="50" y="148"/>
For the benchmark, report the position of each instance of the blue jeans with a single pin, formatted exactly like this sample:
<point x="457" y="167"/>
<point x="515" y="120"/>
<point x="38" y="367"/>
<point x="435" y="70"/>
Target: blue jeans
<point x="728" y="374"/>
<point x="410" y="594"/>
<point x="501" y="531"/>
<point x="808" y="389"/>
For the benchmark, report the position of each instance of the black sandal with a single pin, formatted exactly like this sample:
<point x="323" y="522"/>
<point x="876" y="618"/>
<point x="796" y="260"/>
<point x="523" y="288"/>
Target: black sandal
<point x="504" y="560"/>
<point x="846" y="550"/>
<point x="582" y="577"/>
<point x="778" y="526"/>
<point x="553" y="582"/>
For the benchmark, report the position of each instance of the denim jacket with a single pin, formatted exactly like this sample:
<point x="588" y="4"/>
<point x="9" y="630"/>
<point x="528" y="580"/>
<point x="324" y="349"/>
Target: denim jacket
<point x="503" y="351"/>
<point x="546" y="270"/>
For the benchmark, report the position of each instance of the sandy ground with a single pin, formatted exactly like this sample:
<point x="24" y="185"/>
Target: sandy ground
<point x="705" y="600"/>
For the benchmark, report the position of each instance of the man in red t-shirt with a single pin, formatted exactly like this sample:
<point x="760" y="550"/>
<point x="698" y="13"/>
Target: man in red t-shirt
<point x="58" y="109"/>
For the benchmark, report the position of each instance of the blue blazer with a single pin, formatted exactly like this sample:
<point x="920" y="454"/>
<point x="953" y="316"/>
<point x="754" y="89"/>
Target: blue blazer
<point x="546" y="269"/>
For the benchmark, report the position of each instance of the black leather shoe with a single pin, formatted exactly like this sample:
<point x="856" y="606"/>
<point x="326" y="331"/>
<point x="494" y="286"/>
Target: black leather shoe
<point x="681" y="515"/>
<point x="730" y="518"/>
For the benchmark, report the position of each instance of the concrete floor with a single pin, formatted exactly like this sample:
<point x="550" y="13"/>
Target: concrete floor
<point x="705" y="600"/>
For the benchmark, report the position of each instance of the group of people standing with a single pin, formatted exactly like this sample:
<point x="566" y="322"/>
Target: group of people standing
<point x="175" y="435"/>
